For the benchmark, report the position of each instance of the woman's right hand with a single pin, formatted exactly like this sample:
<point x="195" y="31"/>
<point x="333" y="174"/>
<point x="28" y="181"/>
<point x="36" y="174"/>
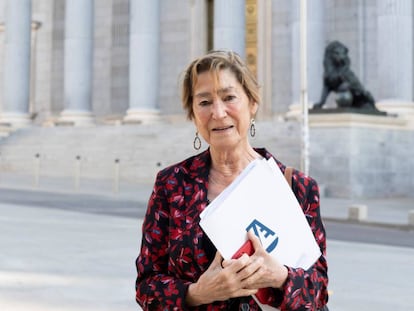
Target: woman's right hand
<point x="218" y="283"/>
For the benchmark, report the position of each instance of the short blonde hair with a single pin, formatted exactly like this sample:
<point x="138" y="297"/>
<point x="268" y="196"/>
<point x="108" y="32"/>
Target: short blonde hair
<point x="215" y="61"/>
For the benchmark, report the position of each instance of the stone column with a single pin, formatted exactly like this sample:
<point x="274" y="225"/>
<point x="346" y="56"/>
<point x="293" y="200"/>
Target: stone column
<point x="264" y="57"/>
<point x="198" y="28"/>
<point x="315" y="50"/>
<point x="79" y="21"/>
<point x="395" y="59"/>
<point x="144" y="61"/>
<point x="15" y="110"/>
<point x="229" y="26"/>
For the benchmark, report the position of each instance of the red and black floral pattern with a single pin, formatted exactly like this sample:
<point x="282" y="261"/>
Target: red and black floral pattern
<point x="174" y="250"/>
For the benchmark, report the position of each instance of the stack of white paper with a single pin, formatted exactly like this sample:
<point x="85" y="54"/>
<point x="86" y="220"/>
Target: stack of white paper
<point x="261" y="199"/>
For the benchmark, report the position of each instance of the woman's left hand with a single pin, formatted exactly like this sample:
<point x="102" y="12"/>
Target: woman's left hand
<point x="262" y="270"/>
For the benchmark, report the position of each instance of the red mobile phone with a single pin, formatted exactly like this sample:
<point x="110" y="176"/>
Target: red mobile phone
<point x="247" y="248"/>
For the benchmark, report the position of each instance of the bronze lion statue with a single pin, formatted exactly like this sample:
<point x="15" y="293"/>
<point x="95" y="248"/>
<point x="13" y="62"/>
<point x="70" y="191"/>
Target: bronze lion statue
<point x="339" y="78"/>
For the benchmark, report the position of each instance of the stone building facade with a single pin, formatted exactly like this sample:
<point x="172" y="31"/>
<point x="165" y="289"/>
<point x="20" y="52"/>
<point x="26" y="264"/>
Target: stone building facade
<point x="85" y="62"/>
<point x="130" y="53"/>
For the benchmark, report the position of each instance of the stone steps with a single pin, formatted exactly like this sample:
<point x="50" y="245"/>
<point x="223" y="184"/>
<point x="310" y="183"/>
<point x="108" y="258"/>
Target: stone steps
<point x="141" y="149"/>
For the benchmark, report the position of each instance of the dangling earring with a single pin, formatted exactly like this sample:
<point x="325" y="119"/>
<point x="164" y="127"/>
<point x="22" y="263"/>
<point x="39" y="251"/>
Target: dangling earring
<point x="197" y="142"/>
<point x="252" y="128"/>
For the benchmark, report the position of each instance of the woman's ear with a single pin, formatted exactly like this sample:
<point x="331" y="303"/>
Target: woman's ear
<point x="194" y="120"/>
<point x="253" y="108"/>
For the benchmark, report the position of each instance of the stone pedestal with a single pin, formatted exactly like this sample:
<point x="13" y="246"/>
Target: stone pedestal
<point x="403" y="109"/>
<point x="142" y="115"/>
<point x="357" y="212"/>
<point x="411" y="218"/>
<point x="4" y="131"/>
<point x="75" y="118"/>
<point x="362" y="156"/>
<point x="15" y="120"/>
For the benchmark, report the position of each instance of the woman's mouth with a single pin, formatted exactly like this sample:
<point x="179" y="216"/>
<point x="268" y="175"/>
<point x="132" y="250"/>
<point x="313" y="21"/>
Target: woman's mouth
<point x="222" y="128"/>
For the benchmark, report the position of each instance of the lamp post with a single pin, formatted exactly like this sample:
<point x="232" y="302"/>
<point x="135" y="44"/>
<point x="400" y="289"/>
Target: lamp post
<point x="304" y="88"/>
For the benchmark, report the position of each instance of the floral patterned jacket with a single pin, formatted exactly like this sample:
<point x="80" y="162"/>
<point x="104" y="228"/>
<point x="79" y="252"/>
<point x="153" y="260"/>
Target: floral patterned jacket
<point x="174" y="252"/>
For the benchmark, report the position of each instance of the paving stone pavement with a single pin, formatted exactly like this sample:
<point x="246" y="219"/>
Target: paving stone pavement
<point x="70" y="250"/>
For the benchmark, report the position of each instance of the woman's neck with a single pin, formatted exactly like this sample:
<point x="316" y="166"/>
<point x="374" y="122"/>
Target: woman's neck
<point x="229" y="164"/>
<point x="225" y="167"/>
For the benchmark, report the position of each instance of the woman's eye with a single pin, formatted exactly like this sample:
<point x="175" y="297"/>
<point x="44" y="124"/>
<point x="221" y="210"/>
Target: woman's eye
<point x="204" y="103"/>
<point x="229" y="98"/>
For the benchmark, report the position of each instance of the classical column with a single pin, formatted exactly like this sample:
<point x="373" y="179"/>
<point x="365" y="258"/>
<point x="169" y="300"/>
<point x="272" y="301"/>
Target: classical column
<point x="264" y="57"/>
<point x="315" y="50"/>
<point x="79" y="23"/>
<point x="395" y="55"/>
<point x="144" y="61"/>
<point x="15" y="110"/>
<point x="198" y="28"/>
<point x="229" y="26"/>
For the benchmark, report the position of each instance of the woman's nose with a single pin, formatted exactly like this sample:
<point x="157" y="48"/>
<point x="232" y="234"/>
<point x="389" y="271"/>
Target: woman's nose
<point x="219" y="109"/>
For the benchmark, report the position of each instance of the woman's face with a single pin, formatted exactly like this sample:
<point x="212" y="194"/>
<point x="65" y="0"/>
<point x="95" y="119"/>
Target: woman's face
<point x="222" y="110"/>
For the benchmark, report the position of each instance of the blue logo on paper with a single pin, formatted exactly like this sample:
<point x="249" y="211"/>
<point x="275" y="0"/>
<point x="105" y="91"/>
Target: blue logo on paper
<point x="263" y="232"/>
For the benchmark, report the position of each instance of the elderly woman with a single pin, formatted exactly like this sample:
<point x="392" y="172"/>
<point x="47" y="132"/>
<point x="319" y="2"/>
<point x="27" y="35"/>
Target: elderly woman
<point x="178" y="266"/>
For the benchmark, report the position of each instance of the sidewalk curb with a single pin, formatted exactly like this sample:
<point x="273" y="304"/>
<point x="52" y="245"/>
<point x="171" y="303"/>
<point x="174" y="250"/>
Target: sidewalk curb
<point x="140" y="198"/>
<point x="404" y="227"/>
